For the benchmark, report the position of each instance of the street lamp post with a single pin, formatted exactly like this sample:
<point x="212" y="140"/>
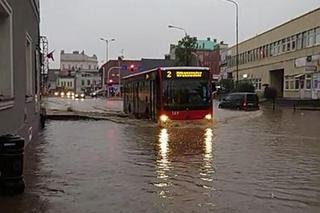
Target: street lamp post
<point x="185" y="34"/>
<point x="179" y="28"/>
<point x="107" y="54"/>
<point x="108" y="79"/>
<point x="237" y="38"/>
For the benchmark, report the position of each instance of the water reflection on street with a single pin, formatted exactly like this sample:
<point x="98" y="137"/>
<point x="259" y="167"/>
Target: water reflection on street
<point x="247" y="162"/>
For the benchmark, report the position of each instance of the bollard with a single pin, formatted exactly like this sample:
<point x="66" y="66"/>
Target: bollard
<point x="11" y="165"/>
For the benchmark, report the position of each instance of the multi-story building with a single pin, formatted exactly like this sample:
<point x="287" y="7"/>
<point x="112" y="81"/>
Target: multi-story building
<point x="286" y="58"/>
<point x="82" y="68"/>
<point x="19" y="68"/>
<point x="76" y="61"/>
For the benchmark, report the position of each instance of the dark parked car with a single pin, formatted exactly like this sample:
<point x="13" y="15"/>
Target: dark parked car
<point x="240" y="101"/>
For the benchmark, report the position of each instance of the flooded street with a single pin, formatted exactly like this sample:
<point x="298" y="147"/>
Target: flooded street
<point x="247" y="162"/>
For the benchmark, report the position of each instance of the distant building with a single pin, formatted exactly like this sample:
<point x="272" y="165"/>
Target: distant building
<point x="78" y="61"/>
<point x="128" y="67"/>
<point x="82" y="68"/>
<point x="286" y="58"/>
<point x="20" y="68"/>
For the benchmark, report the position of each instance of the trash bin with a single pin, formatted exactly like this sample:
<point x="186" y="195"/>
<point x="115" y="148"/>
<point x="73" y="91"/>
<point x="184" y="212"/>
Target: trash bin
<point x="11" y="165"/>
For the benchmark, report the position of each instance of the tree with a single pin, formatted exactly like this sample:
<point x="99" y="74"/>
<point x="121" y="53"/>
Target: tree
<point x="184" y="50"/>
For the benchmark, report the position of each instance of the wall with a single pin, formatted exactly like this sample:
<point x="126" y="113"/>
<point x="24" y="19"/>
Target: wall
<point x="23" y="117"/>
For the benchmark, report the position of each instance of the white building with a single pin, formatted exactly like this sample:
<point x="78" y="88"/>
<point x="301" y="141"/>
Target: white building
<point x="78" y="61"/>
<point x="84" y="70"/>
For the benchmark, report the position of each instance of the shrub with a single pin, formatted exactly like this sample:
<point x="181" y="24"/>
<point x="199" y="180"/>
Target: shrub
<point x="245" y="86"/>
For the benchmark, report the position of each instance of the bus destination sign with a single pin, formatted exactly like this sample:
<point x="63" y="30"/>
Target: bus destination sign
<point x="184" y="74"/>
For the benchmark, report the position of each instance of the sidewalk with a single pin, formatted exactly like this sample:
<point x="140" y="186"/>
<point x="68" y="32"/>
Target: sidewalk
<point x="96" y="109"/>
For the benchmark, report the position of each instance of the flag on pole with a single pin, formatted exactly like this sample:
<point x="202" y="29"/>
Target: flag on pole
<point x="50" y="55"/>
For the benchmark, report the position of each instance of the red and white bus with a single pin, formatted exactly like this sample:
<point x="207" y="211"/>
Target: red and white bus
<point x="169" y="94"/>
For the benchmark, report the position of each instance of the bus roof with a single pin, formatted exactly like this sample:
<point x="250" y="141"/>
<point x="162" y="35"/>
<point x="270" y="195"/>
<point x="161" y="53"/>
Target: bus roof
<point x="166" y="69"/>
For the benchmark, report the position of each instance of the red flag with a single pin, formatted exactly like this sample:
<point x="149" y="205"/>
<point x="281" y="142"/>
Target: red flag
<point x="50" y="55"/>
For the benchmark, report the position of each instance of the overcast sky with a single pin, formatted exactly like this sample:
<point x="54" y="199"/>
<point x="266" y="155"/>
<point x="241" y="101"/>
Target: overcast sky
<point x="140" y="27"/>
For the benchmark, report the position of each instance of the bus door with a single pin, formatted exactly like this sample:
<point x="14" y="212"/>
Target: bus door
<point x="135" y="97"/>
<point x="152" y="100"/>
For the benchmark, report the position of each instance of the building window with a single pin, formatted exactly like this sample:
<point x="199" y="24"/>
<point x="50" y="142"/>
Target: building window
<point x="304" y="39"/>
<point x="284" y="44"/>
<point x="293" y="42"/>
<point x="88" y="82"/>
<point x="318" y="35"/>
<point x="287" y="83"/>
<point x="299" y="41"/>
<point x="279" y="47"/>
<point x="311" y="38"/>
<point x="288" y="44"/>
<point x="257" y="83"/>
<point x="89" y="66"/>
<point x="6" y="50"/>
<point x="29" y="73"/>
<point x="82" y="82"/>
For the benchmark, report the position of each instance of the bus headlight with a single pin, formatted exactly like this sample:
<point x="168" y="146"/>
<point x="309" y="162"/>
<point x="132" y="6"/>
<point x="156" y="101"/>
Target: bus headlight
<point x="208" y="117"/>
<point x="164" y="118"/>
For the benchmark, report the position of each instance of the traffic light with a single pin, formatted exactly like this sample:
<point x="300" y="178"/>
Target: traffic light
<point x="131" y="68"/>
<point x="110" y="82"/>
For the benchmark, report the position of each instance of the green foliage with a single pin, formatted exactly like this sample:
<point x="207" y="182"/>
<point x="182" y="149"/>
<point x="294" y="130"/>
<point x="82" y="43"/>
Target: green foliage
<point x="228" y="84"/>
<point x="245" y="86"/>
<point x="184" y="51"/>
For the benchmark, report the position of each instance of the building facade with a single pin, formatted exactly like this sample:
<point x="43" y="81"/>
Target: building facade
<point x="79" y="72"/>
<point x="20" y="68"/>
<point x="77" y="60"/>
<point x="286" y="58"/>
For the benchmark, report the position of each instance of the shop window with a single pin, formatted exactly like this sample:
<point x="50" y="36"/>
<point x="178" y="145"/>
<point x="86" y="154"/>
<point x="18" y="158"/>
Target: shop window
<point x="296" y="85"/>
<point x="291" y="84"/>
<point x="302" y="84"/>
<point x="6" y="65"/>
<point x="308" y="81"/>
<point x="286" y="84"/>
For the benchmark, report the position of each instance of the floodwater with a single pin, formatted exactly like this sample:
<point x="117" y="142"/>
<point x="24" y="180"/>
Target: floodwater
<point x="247" y="162"/>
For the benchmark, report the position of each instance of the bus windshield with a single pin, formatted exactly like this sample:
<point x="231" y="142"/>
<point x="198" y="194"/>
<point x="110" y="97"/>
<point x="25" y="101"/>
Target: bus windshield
<point x="182" y="94"/>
